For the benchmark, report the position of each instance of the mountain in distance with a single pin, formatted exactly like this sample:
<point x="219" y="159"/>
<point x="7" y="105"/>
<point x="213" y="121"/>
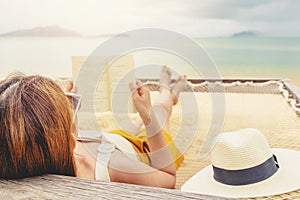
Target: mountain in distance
<point x="45" y="31"/>
<point x="245" y="34"/>
<point x="51" y="31"/>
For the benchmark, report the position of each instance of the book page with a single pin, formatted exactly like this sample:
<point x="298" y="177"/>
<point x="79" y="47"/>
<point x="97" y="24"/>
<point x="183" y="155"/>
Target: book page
<point x="100" y="96"/>
<point x="121" y="73"/>
<point x="112" y="91"/>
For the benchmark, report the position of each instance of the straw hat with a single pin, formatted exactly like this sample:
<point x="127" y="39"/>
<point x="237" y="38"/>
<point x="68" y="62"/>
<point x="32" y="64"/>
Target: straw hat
<point x="244" y="166"/>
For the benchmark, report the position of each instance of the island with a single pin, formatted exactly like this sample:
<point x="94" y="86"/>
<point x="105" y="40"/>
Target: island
<point x="244" y="34"/>
<point x="53" y="31"/>
<point x="45" y="31"/>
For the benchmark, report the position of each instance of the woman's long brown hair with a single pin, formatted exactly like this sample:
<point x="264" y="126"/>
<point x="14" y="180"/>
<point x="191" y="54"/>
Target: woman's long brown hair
<point x="35" y="128"/>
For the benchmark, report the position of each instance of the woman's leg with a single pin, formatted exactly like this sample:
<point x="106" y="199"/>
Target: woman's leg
<point x="156" y="133"/>
<point x="162" y="109"/>
<point x="168" y="96"/>
<point x="164" y="96"/>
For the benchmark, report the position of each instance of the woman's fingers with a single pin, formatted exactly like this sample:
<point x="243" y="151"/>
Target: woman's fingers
<point x="74" y="89"/>
<point x="132" y="86"/>
<point x="133" y="90"/>
<point x="139" y="83"/>
<point x="139" y="89"/>
<point x="69" y="86"/>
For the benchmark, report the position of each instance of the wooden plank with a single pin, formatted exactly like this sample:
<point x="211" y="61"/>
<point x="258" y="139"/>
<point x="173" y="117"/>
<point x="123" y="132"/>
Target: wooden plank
<point x="64" y="187"/>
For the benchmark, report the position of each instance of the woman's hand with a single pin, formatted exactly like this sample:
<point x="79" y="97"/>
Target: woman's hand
<point x="67" y="85"/>
<point x="70" y="87"/>
<point x="141" y="100"/>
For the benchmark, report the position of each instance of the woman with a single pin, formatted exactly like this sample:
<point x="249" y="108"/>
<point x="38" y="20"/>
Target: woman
<point x="37" y="135"/>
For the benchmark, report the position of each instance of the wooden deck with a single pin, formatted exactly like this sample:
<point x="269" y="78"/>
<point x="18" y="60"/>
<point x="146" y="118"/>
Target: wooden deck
<point x="63" y="187"/>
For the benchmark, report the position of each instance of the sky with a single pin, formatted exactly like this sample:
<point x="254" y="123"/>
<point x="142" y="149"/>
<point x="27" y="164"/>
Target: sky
<point x="207" y="18"/>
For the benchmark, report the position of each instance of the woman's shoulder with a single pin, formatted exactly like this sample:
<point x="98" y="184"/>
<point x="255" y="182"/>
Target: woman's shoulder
<point x="118" y="141"/>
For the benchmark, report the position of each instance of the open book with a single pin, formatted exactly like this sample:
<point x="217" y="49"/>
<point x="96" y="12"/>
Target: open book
<point x="107" y="91"/>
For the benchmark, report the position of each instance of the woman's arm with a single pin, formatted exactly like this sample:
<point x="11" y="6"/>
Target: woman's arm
<point x="162" y="172"/>
<point x="125" y="170"/>
<point x="160" y="155"/>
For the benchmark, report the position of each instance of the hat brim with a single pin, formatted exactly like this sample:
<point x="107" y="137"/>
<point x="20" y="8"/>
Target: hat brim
<point x="285" y="180"/>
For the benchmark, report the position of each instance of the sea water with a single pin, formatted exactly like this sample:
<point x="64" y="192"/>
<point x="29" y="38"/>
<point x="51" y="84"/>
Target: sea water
<point x="256" y="57"/>
<point x="232" y="57"/>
